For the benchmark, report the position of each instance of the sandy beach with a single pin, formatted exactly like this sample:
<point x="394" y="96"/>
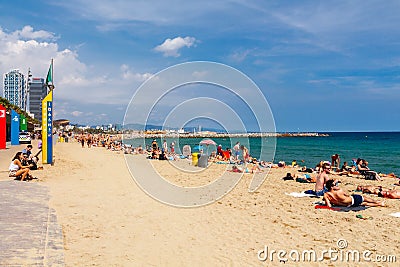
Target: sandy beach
<point x="107" y="220"/>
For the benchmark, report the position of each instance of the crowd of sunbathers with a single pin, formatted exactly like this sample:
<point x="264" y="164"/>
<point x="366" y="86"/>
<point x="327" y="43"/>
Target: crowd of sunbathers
<point x="111" y="142"/>
<point x="22" y="163"/>
<point x="154" y="151"/>
<point x="329" y="188"/>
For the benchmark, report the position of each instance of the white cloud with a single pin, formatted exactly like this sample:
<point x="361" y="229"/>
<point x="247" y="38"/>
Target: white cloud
<point x="128" y="74"/>
<point x="76" y="113"/>
<point x="171" y="47"/>
<point x="76" y="83"/>
<point x="17" y="53"/>
<point x="27" y="32"/>
<point x="74" y="80"/>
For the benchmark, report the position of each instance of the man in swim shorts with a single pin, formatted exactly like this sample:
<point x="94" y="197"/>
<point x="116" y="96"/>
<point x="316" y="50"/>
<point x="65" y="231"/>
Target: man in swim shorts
<point x="321" y="179"/>
<point x="336" y="196"/>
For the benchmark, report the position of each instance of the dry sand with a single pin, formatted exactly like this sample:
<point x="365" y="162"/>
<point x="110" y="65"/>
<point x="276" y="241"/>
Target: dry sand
<point x="107" y="220"/>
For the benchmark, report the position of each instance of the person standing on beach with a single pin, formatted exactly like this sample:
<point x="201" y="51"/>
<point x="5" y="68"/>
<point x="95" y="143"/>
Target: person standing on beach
<point x="154" y="145"/>
<point x="236" y="150"/>
<point x="321" y="180"/>
<point x="89" y="140"/>
<point x="82" y="140"/>
<point x="335" y="161"/>
<point x="165" y="147"/>
<point x="245" y="153"/>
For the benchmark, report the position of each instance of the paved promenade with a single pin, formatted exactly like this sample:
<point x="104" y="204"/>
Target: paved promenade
<point x="29" y="233"/>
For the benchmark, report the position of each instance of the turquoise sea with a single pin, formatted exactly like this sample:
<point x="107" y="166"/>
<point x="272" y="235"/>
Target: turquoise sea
<point x="380" y="149"/>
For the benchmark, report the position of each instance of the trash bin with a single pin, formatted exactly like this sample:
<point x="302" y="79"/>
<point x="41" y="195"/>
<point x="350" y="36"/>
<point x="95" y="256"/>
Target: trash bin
<point x="195" y="158"/>
<point x="203" y="161"/>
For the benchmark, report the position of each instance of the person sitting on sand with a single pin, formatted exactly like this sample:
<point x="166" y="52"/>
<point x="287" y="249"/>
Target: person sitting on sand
<point x="344" y="170"/>
<point x="338" y="197"/>
<point x="321" y="180"/>
<point x="17" y="169"/>
<point x="256" y="166"/>
<point x="362" y="166"/>
<point x="294" y="163"/>
<point x="282" y="164"/>
<point x="27" y="150"/>
<point x="289" y="176"/>
<point x="318" y="168"/>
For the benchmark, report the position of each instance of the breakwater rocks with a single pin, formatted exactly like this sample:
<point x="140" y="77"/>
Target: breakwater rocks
<point x="158" y="134"/>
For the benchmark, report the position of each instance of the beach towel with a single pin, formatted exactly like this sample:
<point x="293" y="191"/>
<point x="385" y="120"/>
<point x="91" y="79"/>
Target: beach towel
<point x="301" y="194"/>
<point x="340" y="209"/>
<point x="396" y="214"/>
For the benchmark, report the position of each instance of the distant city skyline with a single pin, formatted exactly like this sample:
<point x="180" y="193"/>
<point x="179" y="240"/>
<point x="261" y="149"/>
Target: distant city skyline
<point x="321" y="65"/>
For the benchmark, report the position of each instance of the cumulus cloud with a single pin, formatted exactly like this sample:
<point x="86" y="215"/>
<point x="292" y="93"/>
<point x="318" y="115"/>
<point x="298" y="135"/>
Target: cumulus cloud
<point x="171" y="47"/>
<point x="18" y="53"/>
<point x="23" y="50"/>
<point x="76" y="83"/>
<point x="27" y="32"/>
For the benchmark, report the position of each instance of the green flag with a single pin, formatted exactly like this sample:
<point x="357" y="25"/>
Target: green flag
<point x="49" y="78"/>
<point x="23" y="124"/>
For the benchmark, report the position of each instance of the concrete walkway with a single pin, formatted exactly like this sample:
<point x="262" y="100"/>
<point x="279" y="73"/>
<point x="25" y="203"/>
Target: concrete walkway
<point x="29" y="233"/>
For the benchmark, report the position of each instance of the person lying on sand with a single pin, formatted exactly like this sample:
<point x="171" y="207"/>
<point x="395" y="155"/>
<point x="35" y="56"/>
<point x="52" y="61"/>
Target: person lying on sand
<point x="370" y="189"/>
<point x="305" y="169"/>
<point x="390" y="175"/>
<point x="380" y="191"/>
<point x="236" y="169"/>
<point x="393" y="194"/>
<point x="338" y="197"/>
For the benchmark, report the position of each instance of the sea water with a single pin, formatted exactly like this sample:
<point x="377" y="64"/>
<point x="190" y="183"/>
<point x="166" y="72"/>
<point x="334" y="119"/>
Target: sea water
<point x="380" y="149"/>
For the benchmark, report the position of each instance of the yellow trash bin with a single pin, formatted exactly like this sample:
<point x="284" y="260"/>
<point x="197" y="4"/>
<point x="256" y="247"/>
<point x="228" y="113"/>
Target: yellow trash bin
<point x="195" y="159"/>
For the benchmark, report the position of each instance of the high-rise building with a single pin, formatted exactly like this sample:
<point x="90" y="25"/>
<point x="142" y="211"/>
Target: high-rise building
<point x="37" y="91"/>
<point x="15" y="89"/>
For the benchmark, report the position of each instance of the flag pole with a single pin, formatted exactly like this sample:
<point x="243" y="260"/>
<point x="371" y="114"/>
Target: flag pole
<point x="52" y="109"/>
<point x="47" y="119"/>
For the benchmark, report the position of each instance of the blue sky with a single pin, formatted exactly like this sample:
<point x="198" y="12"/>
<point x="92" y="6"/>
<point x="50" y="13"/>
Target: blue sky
<point x="321" y="65"/>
